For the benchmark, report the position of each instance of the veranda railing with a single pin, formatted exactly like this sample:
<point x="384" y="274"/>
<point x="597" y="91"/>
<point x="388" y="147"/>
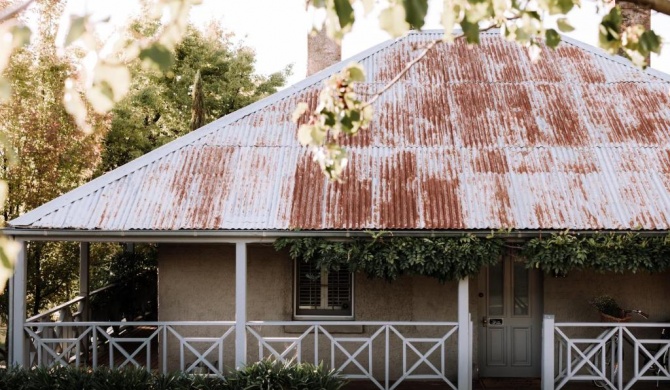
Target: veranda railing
<point x="386" y="353"/>
<point x="615" y="356"/>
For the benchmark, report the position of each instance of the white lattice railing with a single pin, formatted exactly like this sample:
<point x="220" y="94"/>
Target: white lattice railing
<point x="614" y="356"/>
<point x="386" y="353"/>
<point x="199" y="345"/>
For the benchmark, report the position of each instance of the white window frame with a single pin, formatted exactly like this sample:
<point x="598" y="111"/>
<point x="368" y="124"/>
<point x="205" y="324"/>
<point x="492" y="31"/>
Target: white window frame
<point x="324" y="297"/>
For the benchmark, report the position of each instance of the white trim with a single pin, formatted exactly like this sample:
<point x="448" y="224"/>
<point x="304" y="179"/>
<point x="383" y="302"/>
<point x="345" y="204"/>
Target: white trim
<point x="266" y="236"/>
<point x="240" y="305"/>
<point x="464" y="362"/>
<point x="18" y="309"/>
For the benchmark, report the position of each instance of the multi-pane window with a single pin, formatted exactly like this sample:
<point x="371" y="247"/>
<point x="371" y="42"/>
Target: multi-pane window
<point x="321" y="293"/>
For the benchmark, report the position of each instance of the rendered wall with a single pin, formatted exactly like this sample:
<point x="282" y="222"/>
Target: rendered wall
<point x="197" y="282"/>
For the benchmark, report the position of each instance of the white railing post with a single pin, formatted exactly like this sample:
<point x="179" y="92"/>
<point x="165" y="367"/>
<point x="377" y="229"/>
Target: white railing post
<point x="19" y="355"/>
<point x="464" y="358"/>
<point x="548" y="352"/>
<point x="240" y="304"/>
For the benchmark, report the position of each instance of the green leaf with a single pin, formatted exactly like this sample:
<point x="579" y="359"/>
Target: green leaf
<point x="609" y="31"/>
<point x="356" y="73"/>
<point x="564" y="6"/>
<point x="415" y="12"/>
<point x="392" y="20"/>
<point x="345" y="13"/>
<point x="471" y="31"/>
<point x="77" y="29"/>
<point x="553" y="38"/>
<point x="159" y="56"/>
<point x="650" y="42"/>
<point x="564" y="25"/>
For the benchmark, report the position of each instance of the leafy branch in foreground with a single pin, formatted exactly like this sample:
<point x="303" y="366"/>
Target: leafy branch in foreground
<point x="523" y="22"/>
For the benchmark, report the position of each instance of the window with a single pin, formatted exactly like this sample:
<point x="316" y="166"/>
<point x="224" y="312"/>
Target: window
<point x="321" y="293"/>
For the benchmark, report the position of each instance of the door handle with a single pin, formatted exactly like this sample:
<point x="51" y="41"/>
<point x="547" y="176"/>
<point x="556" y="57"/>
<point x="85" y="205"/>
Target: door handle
<point x="485" y="321"/>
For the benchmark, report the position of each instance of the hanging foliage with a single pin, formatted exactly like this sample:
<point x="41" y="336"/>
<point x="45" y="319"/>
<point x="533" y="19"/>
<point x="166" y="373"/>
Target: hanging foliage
<point x="603" y="252"/>
<point x="383" y="257"/>
<point x="452" y="258"/>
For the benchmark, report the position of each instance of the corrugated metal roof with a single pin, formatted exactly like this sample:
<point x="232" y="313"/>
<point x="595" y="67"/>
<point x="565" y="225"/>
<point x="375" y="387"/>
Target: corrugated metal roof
<point x="471" y="138"/>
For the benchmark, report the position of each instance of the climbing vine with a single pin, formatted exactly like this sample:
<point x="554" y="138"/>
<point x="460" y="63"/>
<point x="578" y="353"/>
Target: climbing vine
<point x="604" y="252"/>
<point x="384" y="257"/>
<point x="452" y="258"/>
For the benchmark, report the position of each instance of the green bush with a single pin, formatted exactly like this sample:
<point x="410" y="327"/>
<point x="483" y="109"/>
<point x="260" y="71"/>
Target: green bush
<point x="264" y="375"/>
<point x="272" y="375"/>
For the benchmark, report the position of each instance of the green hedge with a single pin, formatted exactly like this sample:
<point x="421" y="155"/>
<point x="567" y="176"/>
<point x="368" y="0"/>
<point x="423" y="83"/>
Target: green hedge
<point x="264" y="375"/>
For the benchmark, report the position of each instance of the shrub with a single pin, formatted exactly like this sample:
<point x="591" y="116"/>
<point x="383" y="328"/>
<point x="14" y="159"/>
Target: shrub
<point x="264" y="375"/>
<point x="273" y="375"/>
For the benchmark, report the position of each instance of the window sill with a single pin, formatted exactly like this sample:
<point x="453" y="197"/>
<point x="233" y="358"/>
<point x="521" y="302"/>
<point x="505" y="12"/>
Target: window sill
<point x="332" y="329"/>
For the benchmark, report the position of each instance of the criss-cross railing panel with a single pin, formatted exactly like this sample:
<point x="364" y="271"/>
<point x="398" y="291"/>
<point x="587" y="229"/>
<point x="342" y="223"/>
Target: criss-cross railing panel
<point x="200" y="345"/>
<point x="385" y="353"/>
<point x="615" y="356"/>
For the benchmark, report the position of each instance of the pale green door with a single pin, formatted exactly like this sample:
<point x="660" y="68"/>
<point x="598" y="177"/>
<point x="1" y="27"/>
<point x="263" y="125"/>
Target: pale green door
<point x="510" y="320"/>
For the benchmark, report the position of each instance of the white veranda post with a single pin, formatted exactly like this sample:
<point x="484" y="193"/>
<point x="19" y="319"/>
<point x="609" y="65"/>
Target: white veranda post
<point x="17" y="315"/>
<point x="240" y="304"/>
<point x="464" y="358"/>
<point x="84" y="255"/>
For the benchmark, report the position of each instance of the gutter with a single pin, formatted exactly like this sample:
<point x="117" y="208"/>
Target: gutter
<point x="220" y="236"/>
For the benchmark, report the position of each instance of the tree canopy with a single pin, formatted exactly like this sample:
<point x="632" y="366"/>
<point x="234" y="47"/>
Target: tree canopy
<point x="159" y="106"/>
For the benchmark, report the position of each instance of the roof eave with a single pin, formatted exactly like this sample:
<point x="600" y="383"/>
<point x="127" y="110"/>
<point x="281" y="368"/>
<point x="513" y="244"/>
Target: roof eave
<point x="223" y="236"/>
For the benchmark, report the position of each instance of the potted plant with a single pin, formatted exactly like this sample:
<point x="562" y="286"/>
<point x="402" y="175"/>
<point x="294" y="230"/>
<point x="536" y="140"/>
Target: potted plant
<point x="609" y="309"/>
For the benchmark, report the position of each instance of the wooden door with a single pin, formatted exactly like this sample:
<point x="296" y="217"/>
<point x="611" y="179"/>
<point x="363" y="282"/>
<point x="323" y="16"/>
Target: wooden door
<point x="510" y="320"/>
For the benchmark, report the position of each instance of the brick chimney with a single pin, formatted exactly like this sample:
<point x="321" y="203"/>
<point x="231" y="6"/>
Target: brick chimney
<point x="321" y="52"/>
<point x="633" y="14"/>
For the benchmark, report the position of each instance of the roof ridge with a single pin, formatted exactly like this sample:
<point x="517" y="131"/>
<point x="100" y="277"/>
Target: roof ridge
<point x="582" y="45"/>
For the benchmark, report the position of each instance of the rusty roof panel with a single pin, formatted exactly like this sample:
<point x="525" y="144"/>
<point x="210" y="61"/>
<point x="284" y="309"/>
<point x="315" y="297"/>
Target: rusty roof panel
<point x="471" y="138"/>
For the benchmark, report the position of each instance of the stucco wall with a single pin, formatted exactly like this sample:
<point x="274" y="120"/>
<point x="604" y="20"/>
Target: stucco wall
<point x="567" y="297"/>
<point x="197" y="282"/>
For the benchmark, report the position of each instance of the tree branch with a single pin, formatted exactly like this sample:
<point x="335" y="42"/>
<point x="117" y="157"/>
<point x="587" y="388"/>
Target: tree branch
<point x="12" y="11"/>
<point x="661" y="6"/>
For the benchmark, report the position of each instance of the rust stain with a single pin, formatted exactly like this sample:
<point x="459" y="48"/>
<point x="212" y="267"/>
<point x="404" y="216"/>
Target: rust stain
<point x="562" y="114"/>
<point x="490" y="161"/>
<point x="211" y="172"/>
<point x="664" y="160"/>
<point x="582" y="62"/>
<point x="442" y="203"/>
<point x="307" y="200"/>
<point x="502" y="203"/>
<point x="349" y="203"/>
<point x="399" y="195"/>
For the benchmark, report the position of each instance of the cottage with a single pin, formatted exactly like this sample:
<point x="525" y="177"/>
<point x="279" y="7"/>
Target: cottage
<point x="471" y="141"/>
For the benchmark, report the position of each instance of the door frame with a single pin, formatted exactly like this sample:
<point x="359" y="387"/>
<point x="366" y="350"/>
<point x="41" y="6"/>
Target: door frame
<point x="537" y="302"/>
